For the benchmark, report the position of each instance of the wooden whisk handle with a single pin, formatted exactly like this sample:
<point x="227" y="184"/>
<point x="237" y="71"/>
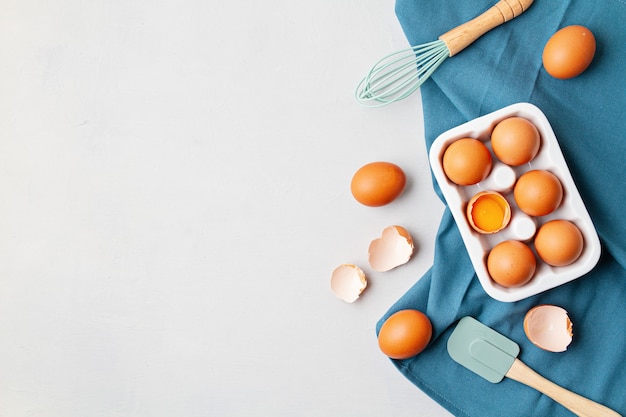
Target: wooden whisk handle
<point x="460" y="37"/>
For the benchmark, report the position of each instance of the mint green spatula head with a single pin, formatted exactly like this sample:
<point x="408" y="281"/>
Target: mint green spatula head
<point x="493" y="356"/>
<point x="481" y="349"/>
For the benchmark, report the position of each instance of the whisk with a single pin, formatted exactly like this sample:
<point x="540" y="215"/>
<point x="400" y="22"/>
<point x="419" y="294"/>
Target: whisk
<point x="399" y="74"/>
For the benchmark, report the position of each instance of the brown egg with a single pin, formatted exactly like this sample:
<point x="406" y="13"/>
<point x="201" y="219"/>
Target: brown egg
<point x="511" y="263"/>
<point x="538" y="192"/>
<point x="405" y="334"/>
<point x="569" y="52"/>
<point x="467" y="161"/>
<point x="377" y="183"/>
<point x="515" y="141"/>
<point x="559" y="242"/>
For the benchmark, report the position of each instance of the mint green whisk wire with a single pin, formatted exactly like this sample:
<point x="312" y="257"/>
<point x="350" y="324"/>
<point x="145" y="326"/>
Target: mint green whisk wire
<point x="397" y="75"/>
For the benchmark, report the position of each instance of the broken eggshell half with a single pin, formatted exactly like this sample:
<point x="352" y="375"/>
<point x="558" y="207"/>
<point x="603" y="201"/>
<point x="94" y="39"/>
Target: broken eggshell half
<point x="347" y="282"/>
<point x="548" y="327"/>
<point x="392" y="249"/>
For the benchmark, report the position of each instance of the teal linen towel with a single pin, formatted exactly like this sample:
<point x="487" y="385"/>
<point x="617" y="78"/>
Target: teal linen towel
<point x="588" y="115"/>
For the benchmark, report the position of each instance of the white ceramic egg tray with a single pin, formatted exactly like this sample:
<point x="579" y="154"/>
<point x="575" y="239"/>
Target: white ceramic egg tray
<point x="521" y="227"/>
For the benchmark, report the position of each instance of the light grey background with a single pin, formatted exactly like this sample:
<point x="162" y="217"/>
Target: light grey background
<point x="174" y="195"/>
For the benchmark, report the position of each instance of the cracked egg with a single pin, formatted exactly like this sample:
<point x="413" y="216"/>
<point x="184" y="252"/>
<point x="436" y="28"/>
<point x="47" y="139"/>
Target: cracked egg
<point x="548" y="327"/>
<point x="488" y="212"/>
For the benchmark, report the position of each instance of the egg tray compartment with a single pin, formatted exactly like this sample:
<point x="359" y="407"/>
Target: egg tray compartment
<point x="521" y="226"/>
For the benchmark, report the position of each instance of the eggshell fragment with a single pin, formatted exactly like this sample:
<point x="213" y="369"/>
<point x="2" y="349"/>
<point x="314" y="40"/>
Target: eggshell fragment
<point x="348" y="282"/>
<point x="393" y="249"/>
<point x="548" y="327"/>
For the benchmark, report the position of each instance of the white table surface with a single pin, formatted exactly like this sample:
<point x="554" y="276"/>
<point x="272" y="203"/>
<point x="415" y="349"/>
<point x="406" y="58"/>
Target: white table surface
<point x="175" y="194"/>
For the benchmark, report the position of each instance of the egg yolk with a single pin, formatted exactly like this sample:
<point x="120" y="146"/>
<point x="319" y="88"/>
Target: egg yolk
<point x="488" y="213"/>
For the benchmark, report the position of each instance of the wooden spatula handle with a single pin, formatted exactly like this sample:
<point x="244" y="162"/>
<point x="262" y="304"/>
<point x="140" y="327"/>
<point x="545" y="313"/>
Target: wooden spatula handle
<point x="460" y="37"/>
<point x="577" y="404"/>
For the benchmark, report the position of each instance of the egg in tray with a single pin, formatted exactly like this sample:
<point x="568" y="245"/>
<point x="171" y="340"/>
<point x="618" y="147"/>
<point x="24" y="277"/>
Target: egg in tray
<point x="513" y="198"/>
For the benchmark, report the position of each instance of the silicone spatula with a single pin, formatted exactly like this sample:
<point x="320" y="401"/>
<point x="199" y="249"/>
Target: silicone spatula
<point x="493" y="356"/>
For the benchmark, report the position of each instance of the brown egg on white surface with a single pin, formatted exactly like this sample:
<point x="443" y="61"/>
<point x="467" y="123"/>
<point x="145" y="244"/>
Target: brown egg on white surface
<point x="347" y="282"/>
<point x="548" y="327"/>
<point x="377" y="183"/>
<point x="392" y="249"/>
